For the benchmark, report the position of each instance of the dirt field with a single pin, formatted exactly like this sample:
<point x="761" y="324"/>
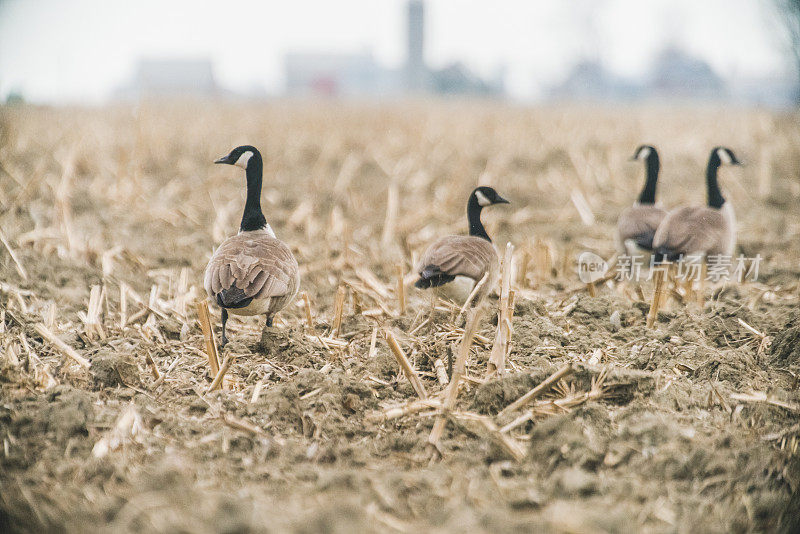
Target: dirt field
<point x="692" y="426"/>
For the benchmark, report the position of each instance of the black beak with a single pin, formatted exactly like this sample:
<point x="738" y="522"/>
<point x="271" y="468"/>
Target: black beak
<point x="501" y="200"/>
<point x="223" y="159"/>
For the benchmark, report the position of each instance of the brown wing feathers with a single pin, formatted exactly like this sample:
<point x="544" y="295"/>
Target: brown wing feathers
<point x="640" y="223"/>
<point x="246" y="267"/>
<point x="691" y="230"/>
<point x="454" y="256"/>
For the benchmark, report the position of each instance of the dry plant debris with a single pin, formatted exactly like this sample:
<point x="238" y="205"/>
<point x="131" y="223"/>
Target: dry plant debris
<point x="369" y="406"/>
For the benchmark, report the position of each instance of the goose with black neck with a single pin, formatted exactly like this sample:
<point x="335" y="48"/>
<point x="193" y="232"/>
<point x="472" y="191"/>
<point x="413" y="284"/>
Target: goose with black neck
<point x="471" y="256"/>
<point x="637" y="224"/>
<point x="253" y="272"/>
<point x="702" y="231"/>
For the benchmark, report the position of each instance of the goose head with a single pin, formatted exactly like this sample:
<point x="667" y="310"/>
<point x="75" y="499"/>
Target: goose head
<point x="239" y="156"/>
<point x="722" y="156"/>
<point x="643" y="152"/>
<point x="486" y="196"/>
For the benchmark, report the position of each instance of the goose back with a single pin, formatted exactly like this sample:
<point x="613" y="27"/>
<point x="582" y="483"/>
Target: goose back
<point x="696" y="230"/>
<point x="639" y="224"/>
<point x="256" y="266"/>
<point x="458" y="255"/>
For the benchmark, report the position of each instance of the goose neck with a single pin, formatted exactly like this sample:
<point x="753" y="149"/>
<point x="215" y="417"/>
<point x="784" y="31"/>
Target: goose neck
<point x="474" y="218"/>
<point x="253" y="217"/>
<point x="648" y="193"/>
<point x="715" y="198"/>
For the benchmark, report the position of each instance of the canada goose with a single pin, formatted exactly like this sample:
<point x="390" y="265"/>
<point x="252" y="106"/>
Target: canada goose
<point x="253" y="272"/>
<point x="701" y="230"/>
<point x="470" y="256"/>
<point x="637" y="224"/>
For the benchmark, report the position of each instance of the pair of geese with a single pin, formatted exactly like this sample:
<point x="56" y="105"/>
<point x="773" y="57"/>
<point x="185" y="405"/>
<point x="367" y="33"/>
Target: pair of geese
<point x="255" y="273"/>
<point x="701" y="231"/>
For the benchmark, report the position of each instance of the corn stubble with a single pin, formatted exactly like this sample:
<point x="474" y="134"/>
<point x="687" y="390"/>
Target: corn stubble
<point x="109" y="217"/>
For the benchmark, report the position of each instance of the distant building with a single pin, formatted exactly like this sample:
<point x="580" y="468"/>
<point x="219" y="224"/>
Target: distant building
<point x="417" y="79"/>
<point x="675" y="73"/>
<point x="457" y="79"/>
<point x="454" y="79"/>
<point x="360" y="75"/>
<point x="344" y="75"/>
<point x="171" y="78"/>
<point x="590" y="81"/>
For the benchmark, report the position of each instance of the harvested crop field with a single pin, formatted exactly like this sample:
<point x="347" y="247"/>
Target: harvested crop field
<point x="107" y="417"/>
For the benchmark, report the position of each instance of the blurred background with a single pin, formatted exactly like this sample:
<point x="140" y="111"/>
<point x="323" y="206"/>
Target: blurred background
<point x="376" y="119"/>
<point x="743" y="52"/>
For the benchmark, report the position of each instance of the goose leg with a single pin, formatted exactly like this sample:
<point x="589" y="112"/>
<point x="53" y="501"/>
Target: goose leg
<point x="224" y="320"/>
<point x="264" y="331"/>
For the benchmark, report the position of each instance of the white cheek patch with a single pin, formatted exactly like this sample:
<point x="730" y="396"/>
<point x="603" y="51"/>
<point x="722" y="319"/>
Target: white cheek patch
<point x="644" y="153"/>
<point x="243" y="159"/>
<point x="724" y="157"/>
<point x="482" y="200"/>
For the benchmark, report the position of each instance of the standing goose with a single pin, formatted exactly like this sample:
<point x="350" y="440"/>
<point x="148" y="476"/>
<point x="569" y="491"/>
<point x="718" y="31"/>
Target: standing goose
<point x="701" y="230"/>
<point x="470" y="256"/>
<point x="253" y="272"/>
<point x="637" y="224"/>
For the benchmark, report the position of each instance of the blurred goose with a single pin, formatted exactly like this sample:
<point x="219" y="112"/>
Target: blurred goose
<point x="637" y="224"/>
<point x="701" y="230"/>
<point x="253" y="272"/>
<point x="469" y="256"/>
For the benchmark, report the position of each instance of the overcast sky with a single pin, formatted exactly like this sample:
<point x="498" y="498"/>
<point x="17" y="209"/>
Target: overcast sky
<point x="81" y="50"/>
